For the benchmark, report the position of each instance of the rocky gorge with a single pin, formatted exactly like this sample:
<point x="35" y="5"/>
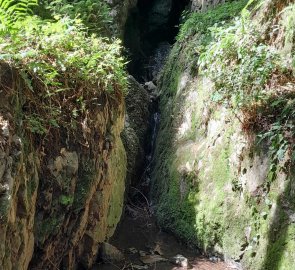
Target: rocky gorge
<point x="200" y="146"/>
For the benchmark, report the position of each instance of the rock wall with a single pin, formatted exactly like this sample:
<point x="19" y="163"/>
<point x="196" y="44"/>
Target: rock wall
<point x="119" y="12"/>
<point x="210" y="177"/>
<point x="61" y="195"/>
<point x="135" y="131"/>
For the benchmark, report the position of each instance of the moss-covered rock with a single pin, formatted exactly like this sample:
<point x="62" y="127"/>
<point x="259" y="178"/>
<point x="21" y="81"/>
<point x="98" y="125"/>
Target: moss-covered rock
<point x="135" y="130"/>
<point x="211" y="181"/>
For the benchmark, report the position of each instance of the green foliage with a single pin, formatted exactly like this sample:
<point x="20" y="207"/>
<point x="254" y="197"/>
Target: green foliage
<point x="198" y="23"/>
<point x="288" y="24"/>
<point x="35" y="124"/>
<point x="63" y="69"/>
<point x="95" y="14"/>
<point x="175" y="214"/>
<point x="238" y="63"/>
<point x="244" y="69"/>
<point x="12" y="11"/>
<point x="50" y="49"/>
<point x="66" y="199"/>
<point x="280" y="134"/>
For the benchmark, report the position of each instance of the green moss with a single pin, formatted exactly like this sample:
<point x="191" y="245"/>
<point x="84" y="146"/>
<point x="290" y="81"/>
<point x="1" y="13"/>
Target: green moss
<point x="86" y="176"/>
<point x="117" y="161"/>
<point x="4" y="206"/>
<point x="171" y="74"/>
<point x="47" y="227"/>
<point x="66" y="200"/>
<point x="216" y="212"/>
<point x="198" y="23"/>
<point x="177" y="215"/>
<point x="31" y="187"/>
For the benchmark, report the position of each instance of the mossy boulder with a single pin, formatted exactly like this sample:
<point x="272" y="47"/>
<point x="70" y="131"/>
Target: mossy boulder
<point x="211" y="179"/>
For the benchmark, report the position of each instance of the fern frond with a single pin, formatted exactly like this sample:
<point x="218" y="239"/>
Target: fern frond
<point x="14" y="10"/>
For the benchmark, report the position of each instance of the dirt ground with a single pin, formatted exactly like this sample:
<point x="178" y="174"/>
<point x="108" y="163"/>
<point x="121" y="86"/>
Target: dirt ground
<point x="139" y="237"/>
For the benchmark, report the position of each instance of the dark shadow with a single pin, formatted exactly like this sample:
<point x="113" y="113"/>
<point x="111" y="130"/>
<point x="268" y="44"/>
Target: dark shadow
<point x="150" y="23"/>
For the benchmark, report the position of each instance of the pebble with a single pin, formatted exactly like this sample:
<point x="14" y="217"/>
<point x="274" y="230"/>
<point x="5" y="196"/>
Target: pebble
<point x="180" y="260"/>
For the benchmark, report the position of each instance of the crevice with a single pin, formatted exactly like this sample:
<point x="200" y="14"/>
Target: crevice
<point x="150" y="23"/>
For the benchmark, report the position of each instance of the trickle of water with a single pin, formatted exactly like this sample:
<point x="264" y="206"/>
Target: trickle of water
<point x="155" y="125"/>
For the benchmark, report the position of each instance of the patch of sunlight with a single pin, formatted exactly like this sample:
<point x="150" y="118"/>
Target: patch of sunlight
<point x="185" y="126"/>
<point x="190" y="104"/>
<point x="214" y="128"/>
<point x="183" y="82"/>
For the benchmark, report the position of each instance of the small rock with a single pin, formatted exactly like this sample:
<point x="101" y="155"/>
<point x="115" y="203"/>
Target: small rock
<point x="4" y="127"/>
<point x="157" y="250"/>
<point x="150" y="86"/>
<point x="180" y="260"/>
<point x="142" y="253"/>
<point x="109" y="253"/>
<point x="3" y="188"/>
<point x="214" y="259"/>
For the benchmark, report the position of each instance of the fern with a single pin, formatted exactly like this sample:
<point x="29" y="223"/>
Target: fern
<point x="12" y="11"/>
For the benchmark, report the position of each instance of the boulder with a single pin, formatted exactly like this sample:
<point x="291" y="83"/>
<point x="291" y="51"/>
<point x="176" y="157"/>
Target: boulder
<point x="109" y="253"/>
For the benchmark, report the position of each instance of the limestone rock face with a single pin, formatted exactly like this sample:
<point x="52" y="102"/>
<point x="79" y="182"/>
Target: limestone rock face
<point x="109" y="253"/>
<point x="136" y="127"/>
<point x="19" y="180"/>
<point x="63" y="196"/>
<point x="211" y="181"/>
<point x="119" y="11"/>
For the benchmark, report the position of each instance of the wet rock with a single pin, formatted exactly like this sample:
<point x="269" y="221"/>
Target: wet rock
<point x="119" y="12"/>
<point x="179" y="260"/>
<point x="150" y="86"/>
<point x="136" y="127"/>
<point x="3" y="188"/>
<point x="4" y="125"/>
<point x="214" y="259"/>
<point x="109" y="253"/>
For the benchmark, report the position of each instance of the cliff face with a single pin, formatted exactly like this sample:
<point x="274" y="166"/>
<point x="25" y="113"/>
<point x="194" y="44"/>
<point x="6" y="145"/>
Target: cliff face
<point x="211" y="180"/>
<point x="64" y="196"/>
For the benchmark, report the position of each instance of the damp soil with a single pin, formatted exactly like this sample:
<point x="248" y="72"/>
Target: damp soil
<point x="138" y="234"/>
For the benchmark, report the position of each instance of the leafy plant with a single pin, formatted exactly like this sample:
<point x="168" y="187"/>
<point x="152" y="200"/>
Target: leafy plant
<point x="248" y="74"/>
<point x="198" y="23"/>
<point x="95" y="14"/>
<point x="239" y="64"/>
<point x="12" y="11"/>
<point x="66" y="200"/>
<point x="63" y="68"/>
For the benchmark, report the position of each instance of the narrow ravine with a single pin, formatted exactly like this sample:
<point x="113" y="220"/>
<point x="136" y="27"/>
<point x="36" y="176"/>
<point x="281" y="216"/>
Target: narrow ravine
<point x="138" y="237"/>
<point x="147" y="134"/>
